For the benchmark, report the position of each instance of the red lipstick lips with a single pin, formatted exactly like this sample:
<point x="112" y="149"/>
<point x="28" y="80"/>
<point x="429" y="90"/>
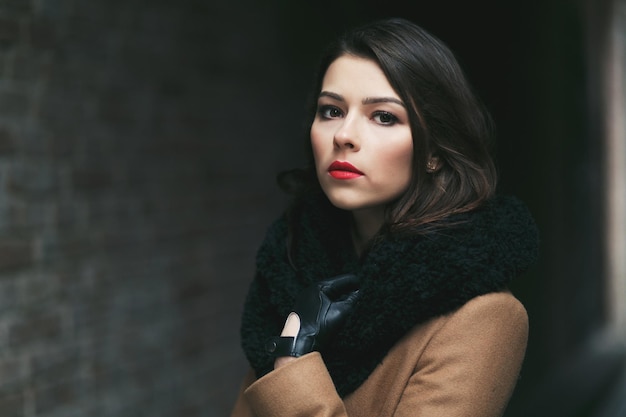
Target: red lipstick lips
<point x="343" y="171"/>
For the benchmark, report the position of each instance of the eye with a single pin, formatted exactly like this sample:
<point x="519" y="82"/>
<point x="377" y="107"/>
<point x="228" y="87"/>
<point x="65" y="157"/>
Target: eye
<point x="385" y="118"/>
<point x="329" y="112"/>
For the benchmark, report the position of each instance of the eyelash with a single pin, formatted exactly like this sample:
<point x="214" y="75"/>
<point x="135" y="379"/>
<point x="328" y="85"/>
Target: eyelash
<point x="393" y="119"/>
<point x="324" y="113"/>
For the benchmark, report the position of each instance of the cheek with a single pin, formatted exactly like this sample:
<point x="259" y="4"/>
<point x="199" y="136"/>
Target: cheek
<point x="400" y="162"/>
<point x="407" y="161"/>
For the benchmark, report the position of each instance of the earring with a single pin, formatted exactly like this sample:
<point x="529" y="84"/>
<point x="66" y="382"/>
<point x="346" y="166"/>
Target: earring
<point x="431" y="166"/>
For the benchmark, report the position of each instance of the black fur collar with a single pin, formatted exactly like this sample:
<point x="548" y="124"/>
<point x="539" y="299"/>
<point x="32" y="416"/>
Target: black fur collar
<point x="404" y="280"/>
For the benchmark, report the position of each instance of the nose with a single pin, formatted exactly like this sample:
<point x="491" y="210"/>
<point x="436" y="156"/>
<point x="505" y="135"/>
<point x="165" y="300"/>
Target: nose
<point x="347" y="136"/>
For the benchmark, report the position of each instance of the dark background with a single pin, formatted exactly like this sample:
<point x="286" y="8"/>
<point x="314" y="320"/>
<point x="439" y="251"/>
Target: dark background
<point x="139" y="141"/>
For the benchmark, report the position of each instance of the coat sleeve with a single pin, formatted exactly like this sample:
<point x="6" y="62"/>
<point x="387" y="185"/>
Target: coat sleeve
<point x="302" y="388"/>
<point x="471" y="365"/>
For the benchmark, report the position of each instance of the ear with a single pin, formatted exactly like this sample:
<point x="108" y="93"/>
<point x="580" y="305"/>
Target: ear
<point x="433" y="164"/>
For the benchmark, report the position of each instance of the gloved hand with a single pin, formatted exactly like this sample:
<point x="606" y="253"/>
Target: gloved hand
<point x="322" y="307"/>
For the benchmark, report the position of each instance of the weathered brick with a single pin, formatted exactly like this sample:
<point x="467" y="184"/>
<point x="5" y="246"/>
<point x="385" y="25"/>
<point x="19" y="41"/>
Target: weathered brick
<point x="12" y="403"/>
<point x="15" y="103"/>
<point x="7" y="141"/>
<point x="8" y="299"/>
<point x="125" y="168"/>
<point x="15" y="252"/>
<point x="35" y="329"/>
<point x="9" y="31"/>
<point x="12" y="371"/>
<point x="16" y="6"/>
<point x="90" y="179"/>
<point x="28" y="66"/>
<point x="42" y="33"/>
<point x="37" y="287"/>
<point x="35" y="177"/>
<point x="51" y="398"/>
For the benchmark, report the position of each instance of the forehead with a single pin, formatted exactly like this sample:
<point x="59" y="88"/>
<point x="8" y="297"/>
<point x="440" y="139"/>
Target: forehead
<point x="358" y="75"/>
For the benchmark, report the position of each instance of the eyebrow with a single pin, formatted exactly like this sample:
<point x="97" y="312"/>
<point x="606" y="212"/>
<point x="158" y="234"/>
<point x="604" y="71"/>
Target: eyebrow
<point x="366" y="100"/>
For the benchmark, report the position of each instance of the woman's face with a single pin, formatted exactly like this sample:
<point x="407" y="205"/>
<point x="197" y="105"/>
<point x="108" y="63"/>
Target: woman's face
<point x="361" y="137"/>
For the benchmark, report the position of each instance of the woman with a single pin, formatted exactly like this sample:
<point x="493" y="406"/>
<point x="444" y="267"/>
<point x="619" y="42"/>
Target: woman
<point x="383" y="289"/>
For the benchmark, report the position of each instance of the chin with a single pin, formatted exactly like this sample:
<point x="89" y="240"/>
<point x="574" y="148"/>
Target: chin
<point x="341" y="202"/>
<point x="352" y="204"/>
<point x="346" y="207"/>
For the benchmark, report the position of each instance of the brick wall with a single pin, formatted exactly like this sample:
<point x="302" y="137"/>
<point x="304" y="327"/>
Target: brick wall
<point x="138" y="144"/>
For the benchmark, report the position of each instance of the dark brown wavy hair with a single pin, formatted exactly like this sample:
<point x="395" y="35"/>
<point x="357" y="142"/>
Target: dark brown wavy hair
<point x="448" y="121"/>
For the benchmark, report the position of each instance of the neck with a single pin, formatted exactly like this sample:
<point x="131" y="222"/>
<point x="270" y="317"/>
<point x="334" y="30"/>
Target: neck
<point x="366" y="223"/>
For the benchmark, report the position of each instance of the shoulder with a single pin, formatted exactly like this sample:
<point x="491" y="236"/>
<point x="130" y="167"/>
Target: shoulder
<point x="494" y="307"/>
<point x="465" y="362"/>
<point x="490" y="325"/>
<point x="498" y="314"/>
<point x="494" y="304"/>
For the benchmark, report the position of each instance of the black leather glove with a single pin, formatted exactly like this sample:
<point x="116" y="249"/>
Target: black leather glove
<point x="322" y="307"/>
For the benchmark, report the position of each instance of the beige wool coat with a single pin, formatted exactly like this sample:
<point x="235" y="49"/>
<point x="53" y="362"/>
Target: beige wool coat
<point x="463" y="364"/>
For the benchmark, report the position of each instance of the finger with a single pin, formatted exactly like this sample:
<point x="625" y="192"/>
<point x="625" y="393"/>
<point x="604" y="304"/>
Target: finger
<point x="292" y="325"/>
